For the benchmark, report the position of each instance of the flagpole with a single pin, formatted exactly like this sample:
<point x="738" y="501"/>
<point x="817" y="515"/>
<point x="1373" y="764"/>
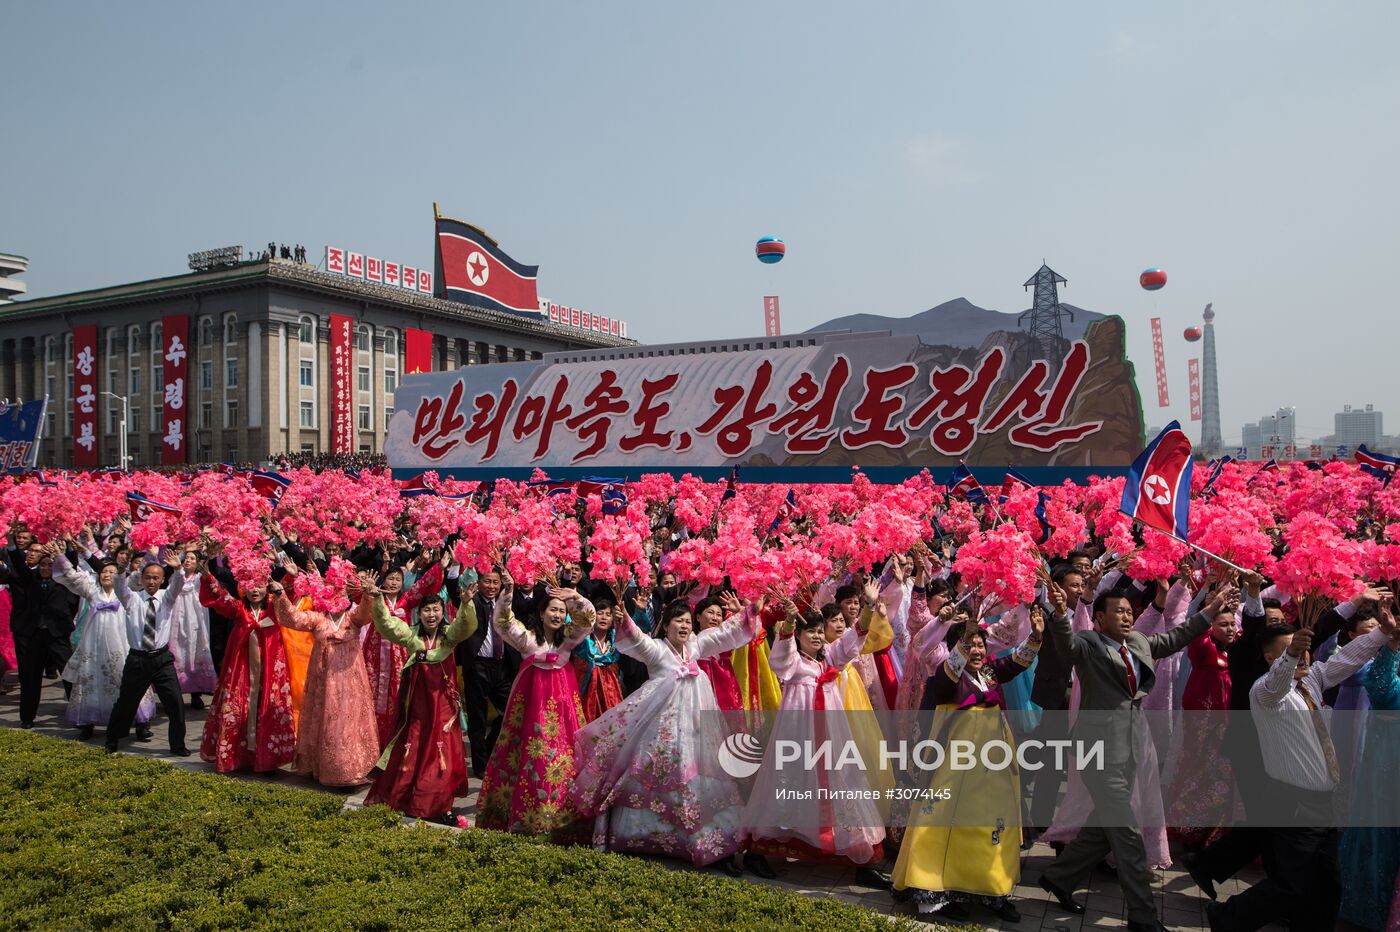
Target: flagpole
<point x="1213" y="556"/>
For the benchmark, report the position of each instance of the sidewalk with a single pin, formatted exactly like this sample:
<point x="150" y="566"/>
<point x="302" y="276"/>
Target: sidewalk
<point x="1181" y="905"/>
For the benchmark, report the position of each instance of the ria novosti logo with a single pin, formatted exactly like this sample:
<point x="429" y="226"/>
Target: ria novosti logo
<point x="741" y="755"/>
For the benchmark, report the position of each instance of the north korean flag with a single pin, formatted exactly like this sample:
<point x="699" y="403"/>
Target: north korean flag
<point x="269" y="485"/>
<point x="1157" y="492"/>
<point x="415" y="487"/>
<point x="963" y="484"/>
<point x="1376" y="464"/>
<point x="142" y="507"/>
<point x="1014" y="481"/>
<point x="1216" y="468"/>
<point x="474" y="270"/>
<point x="786" y="509"/>
<point x="1269" y="468"/>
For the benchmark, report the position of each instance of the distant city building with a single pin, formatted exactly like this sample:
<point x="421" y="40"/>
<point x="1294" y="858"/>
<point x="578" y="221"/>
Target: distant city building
<point x="10" y="266"/>
<point x="1355" y="426"/>
<point x="1277" y="430"/>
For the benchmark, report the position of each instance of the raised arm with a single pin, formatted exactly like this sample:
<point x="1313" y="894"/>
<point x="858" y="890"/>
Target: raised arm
<point x="213" y="596"/>
<point x="848" y="646"/>
<point x="465" y="623"/>
<point x="289" y="617"/>
<point x="736" y="631"/>
<point x="638" y="644"/>
<point x="1347" y="660"/>
<point x="580" y="623"/>
<point x="391" y="628"/>
<point x="75" y="581"/>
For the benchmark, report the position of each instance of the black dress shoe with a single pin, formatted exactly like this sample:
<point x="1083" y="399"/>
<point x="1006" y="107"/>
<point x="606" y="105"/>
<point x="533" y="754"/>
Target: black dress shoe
<point x="1214" y="917"/>
<point x="732" y="867"/>
<point x="196" y="702"/>
<point x="1008" y="912"/>
<point x="85" y="732"/>
<point x="953" y="912"/>
<point x="1154" y="926"/>
<point x="1198" y="874"/>
<point x="26" y="725"/>
<point x="870" y="877"/>
<point x="143" y="733"/>
<point x="758" y="865"/>
<point x="1061" y="896"/>
<point x="180" y="752"/>
<point x="110" y="748"/>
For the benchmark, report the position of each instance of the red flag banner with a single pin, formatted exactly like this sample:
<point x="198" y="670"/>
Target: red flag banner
<point x="1193" y="379"/>
<point x="175" y="368"/>
<point x="342" y="420"/>
<point x="772" y="325"/>
<point x="85" y="384"/>
<point x="1159" y="355"/>
<point x="418" y="351"/>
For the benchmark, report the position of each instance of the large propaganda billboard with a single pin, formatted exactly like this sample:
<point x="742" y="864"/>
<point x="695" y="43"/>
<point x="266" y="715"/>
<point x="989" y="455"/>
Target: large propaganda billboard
<point x="891" y="405"/>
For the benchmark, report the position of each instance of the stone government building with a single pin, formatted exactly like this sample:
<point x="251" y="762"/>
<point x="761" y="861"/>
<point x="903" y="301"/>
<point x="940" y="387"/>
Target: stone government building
<point x="259" y="358"/>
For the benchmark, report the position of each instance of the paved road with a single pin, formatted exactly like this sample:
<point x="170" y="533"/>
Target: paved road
<point x="1181" y="905"/>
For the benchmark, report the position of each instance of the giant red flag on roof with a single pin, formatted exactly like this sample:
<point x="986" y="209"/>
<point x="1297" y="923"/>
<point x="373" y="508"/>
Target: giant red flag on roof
<point x="473" y="269"/>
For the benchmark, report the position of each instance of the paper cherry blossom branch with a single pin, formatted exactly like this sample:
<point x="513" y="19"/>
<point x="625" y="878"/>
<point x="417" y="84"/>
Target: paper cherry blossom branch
<point x="1196" y="547"/>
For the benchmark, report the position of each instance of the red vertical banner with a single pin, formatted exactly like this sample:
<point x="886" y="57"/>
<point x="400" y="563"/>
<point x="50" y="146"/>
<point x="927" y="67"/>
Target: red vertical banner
<point x="418" y="351"/>
<point x="1193" y="378"/>
<point x="1159" y="355"/>
<point x="342" y="419"/>
<point x="175" y="371"/>
<point x="85" y="383"/>
<point x="772" y="326"/>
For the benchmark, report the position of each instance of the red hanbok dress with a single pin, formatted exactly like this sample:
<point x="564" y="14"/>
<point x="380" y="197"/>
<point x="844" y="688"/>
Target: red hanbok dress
<point x="250" y="716"/>
<point x="1202" y="797"/>
<point x="424" y="767"/>
<point x="384" y="660"/>
<point x="599" y="685"/>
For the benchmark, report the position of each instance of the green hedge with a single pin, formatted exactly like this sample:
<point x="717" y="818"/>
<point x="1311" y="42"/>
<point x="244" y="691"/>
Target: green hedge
<point x="91" y="841"/>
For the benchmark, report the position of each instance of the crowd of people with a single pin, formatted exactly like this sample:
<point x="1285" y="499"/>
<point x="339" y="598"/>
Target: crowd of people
<point x="586" y="654"/>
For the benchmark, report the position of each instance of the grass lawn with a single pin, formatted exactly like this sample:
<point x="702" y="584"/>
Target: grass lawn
<point x="92" y="841"/>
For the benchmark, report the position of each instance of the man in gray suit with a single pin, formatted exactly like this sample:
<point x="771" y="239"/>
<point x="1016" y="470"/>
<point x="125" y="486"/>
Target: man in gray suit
<point x="1115" y="668"/>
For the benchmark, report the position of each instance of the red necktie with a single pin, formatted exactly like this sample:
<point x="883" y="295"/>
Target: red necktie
<point x="1128" y="662"/>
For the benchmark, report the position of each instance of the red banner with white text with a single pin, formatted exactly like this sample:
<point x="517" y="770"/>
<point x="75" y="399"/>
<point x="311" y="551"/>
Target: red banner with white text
<point x="418" y="351"/>
<point x="85" y="384"/>
<point x="175" y="373"/>
<point x="1193" y="382"/>
<point x="772" y="324"/>
<point x="342" y="415"/>
<point x="1159" y="356"/>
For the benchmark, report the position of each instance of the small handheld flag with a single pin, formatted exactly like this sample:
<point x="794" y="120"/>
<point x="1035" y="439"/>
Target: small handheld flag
<point x="1381" y="466"/>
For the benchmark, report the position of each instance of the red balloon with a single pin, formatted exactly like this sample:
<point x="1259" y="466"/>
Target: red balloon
<point x="1152" y="279"/>
<point x="1192" y="334"/>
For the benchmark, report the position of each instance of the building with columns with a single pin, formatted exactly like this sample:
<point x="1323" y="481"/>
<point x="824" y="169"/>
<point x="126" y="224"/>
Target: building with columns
<point x="259" y="357"/>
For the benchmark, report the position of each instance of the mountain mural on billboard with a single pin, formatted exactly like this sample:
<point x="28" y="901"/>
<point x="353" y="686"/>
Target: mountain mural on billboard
<point x="958" y="322"/>
<point x="959" y="333"/>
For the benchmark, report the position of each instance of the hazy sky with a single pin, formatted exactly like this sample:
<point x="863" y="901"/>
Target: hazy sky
<point x="908" y="154"/>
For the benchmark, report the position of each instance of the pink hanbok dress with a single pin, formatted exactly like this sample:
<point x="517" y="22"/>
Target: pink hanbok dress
<point x="337" y="744"/>
<point x="526" y="784"/>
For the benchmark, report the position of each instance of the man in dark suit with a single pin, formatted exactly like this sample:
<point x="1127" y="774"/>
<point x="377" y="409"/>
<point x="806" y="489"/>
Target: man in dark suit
<point x="1050" y="691"/>
<point x="488" y="671"/>
<point x="41" y="620"/>
<point x="1114" y="664"/>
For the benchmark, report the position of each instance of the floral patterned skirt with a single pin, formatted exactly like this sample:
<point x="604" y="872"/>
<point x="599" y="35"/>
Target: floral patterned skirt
<point x="526" y="785"/>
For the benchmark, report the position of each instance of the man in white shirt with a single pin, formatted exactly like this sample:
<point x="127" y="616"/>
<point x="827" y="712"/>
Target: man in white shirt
<point x="1303" y="885"/>
<point x="149" y="663"/>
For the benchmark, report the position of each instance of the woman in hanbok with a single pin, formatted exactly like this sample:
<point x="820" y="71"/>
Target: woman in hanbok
<point x="866" y="728"/>
<point x="250" y="717"/>
<point x="596" y="662"/>
<point x="189" y="637"/>
<point x="1369" y="852"/>
<point x="963" y="841"/>
<point x="424" y="765"/>
<point x="1202" y="797"/>
<point x="651" y="778"/>
<point x="384" y="659"/>
<point x="823" y="813"/>
<point x="709" y="613"/>
<point x="526" y="785"/>
<point x="95" y="669"/>
<point x="337" y="744"/>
